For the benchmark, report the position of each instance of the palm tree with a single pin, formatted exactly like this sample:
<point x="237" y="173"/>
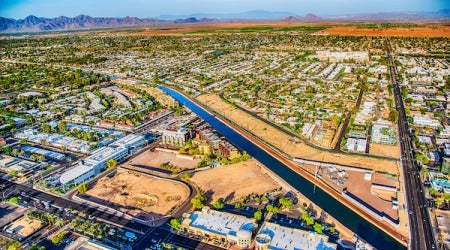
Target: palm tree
<point x="50" y="218"/>
<point x="424" y="171"/>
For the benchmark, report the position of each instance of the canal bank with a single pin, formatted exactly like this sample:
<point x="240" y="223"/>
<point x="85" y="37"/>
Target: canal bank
<point x="330" y="201"/>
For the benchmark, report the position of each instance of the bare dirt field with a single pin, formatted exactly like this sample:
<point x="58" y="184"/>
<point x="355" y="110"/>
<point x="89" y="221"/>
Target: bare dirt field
<point x="433" y="31"/>
<point x="361" y="188"/>
<point x="385" y="150"/>
<point x="25" y="226"/>
<point x="234" y="181"/>
<point x="140" y="192"/>
<point x="154" y="159"/>
<point x="283" y="141"/>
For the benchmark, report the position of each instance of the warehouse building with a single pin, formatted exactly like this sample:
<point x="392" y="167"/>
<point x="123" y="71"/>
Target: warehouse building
<point x="96" y="163"/>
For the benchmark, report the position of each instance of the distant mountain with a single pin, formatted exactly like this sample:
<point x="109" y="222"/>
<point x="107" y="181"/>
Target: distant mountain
<point x="396" y="16"/>
<point x="249" y="15"/>
<point x="308" y="18"/>
<point x="33" y="23"/>
<point x="194" y="20"/>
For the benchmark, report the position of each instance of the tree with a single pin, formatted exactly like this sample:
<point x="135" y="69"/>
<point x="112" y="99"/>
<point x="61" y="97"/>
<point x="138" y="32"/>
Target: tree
<point x="257" y="215"/>
<point x="41" y="158"/>
<point x="433" y="192"/>
<point x="198" y="201"/>
<point x="285" y="203"/>
<point x="186" y="176"/>
<point x="14" y="245"/>
<point x="45" y="127"/>
<point x="245" y="156"/>
<point x="264" y="198"/>
<point x="62" y="126"/>
<point x="393" y="116"/>
<point x="13" y="173"/>
<point x="446" y="196"/>
<point x="7" y="150"/>
<point x="318" y="227"/>
<point x="14" y="200"/>
<point x="51" y="218"/>
<point x="83" y="188"/>
<point x="422" y="158"/>
<point x="111" y="163"/>
<point x="175" y="224"/>
<point x="58" y="238"/>
<point x="238" y="204"/>
<point x="36" y="247"/>
<point x="308" y="220"/>
<point x="218" y="204"/>
<point x="424" y="172"/>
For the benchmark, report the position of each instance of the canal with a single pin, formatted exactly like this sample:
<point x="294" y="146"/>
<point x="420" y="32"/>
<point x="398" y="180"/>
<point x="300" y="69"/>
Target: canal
<point x="350" y="219"/>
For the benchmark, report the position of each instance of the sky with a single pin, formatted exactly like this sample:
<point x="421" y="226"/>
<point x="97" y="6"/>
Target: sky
<point x="19" y="9"/>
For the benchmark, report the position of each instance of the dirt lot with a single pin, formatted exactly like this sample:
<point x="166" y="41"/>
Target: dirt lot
<point x="24" y="227"/>
<point x="434" y="31"/>
<point x="282" y="140"/>
<point x="384" y="150"/>
<point x="234" y="181"/>
<point x="140" y="192"/>
<point x="154" y="159"/>
<point x="361" y="188"/>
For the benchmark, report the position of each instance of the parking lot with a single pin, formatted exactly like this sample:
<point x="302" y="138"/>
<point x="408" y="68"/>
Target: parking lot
<point x="9" y="213"/>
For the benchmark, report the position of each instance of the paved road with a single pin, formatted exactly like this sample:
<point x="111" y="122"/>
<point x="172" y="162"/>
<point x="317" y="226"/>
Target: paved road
<point x="421" y="234"/>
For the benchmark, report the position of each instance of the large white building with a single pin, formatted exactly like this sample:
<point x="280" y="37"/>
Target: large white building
<point x="175" y="137"/>
<point x="273" y="236"/>
<point x="95" y="163"/>
<point x="338" y="56"/>
<point x="226" y="227"/>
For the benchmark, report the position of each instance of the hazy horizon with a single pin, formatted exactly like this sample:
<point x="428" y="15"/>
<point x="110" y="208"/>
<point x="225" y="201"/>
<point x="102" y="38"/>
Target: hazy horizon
<point x="19" y="9"/>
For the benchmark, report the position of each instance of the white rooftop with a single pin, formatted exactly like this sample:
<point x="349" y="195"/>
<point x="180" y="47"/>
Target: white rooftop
<point x="292" y="238"/>
<point x="220" y="222"/>
<point x="74" y="173"/>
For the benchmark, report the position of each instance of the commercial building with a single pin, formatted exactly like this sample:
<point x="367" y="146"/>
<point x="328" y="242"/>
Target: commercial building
<point x="55" y="140"/>
<point x="22" y="167"/>
<point x="96" y="163"/>
<point x="357" y="56"/>
<point x="274" y="236"/>
<point x="175" y="136"/>
<point x="221" y="226"/>
<point x="46" y="153"/>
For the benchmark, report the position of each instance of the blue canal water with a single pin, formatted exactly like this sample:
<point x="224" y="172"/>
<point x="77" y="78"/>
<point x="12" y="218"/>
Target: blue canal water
<point x="350" y="219"/>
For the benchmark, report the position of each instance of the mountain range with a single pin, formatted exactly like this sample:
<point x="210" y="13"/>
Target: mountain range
<point x="37" y="24"/>
<point x="34" y="24"/>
